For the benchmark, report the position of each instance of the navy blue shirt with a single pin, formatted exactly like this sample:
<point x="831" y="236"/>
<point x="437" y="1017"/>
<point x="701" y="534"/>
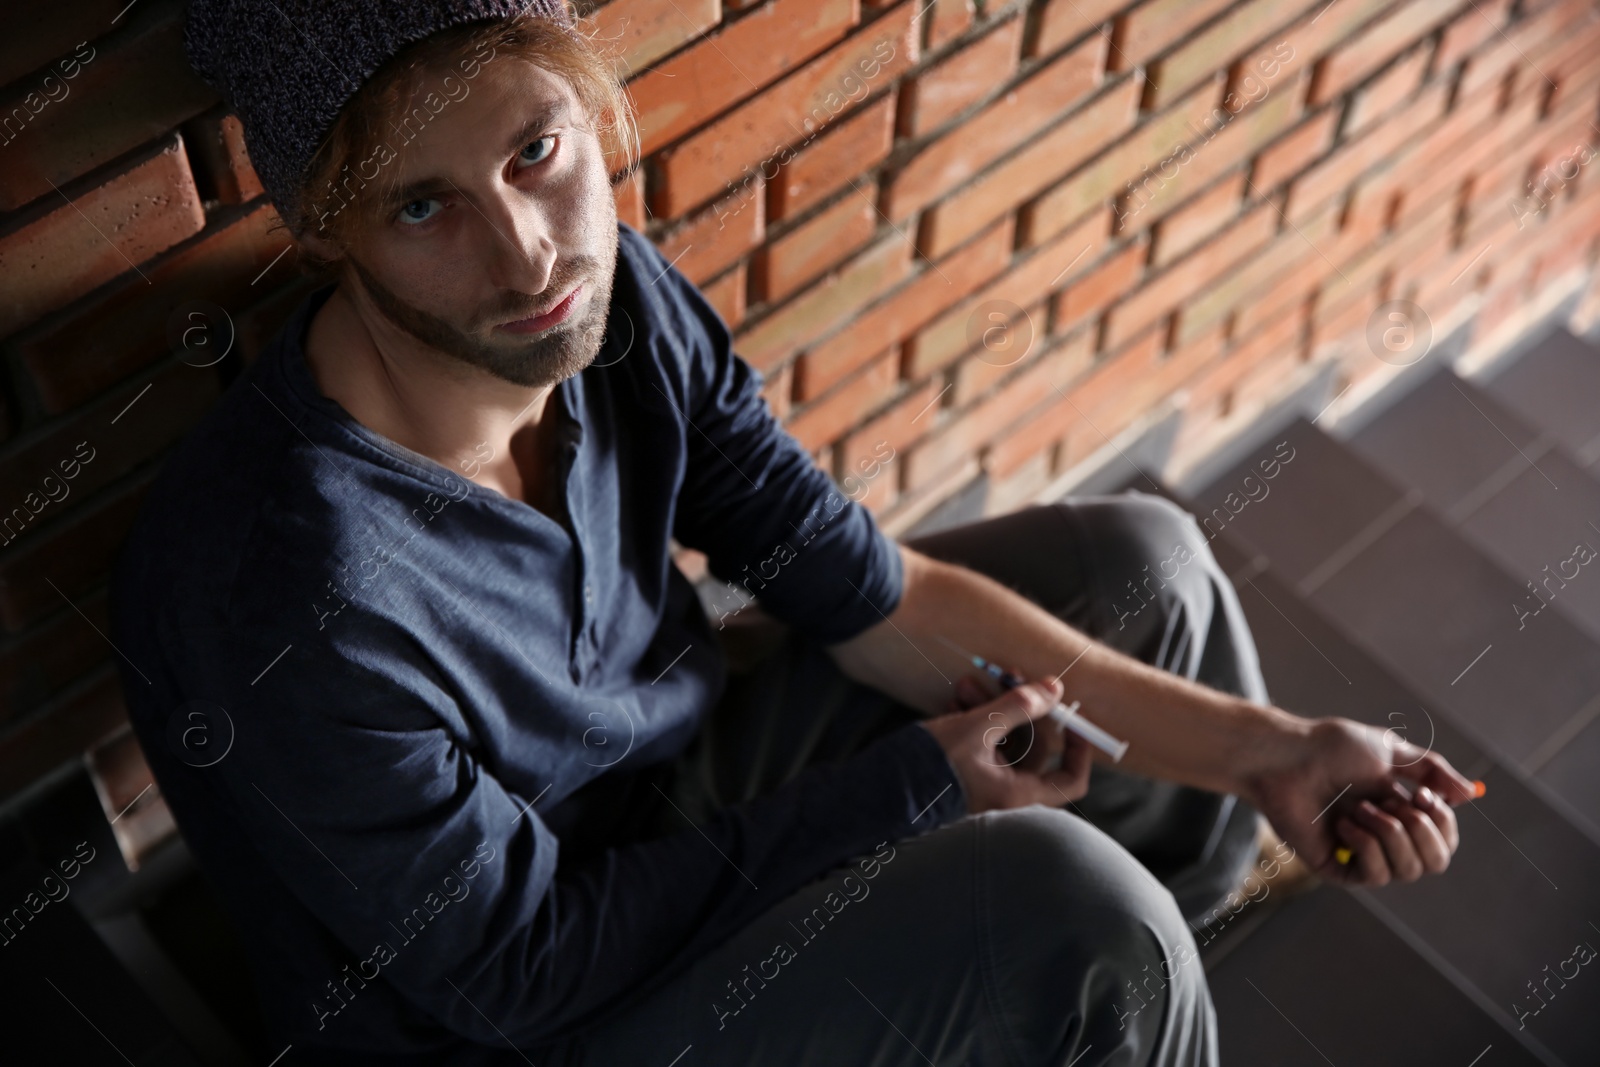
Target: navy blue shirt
<point x="373" y="691"/>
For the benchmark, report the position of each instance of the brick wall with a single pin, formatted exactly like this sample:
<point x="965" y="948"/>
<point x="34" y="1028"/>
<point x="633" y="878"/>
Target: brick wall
<point x="992" y="240"/>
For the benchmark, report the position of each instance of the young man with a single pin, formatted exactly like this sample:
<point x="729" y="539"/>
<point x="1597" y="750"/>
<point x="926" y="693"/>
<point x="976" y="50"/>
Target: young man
<point x="459" y="744"/>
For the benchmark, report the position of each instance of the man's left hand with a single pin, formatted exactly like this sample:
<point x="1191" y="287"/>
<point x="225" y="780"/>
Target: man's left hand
<point x="1347" y="785"/>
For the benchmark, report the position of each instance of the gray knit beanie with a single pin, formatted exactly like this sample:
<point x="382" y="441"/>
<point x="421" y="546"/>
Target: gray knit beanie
<point x="286" y="67"/>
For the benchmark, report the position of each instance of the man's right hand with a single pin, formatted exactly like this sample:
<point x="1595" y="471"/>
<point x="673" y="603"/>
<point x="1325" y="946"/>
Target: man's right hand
<point x="975" y="742"/>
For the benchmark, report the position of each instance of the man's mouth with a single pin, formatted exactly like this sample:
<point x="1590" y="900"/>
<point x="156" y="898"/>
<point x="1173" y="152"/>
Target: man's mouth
<point x="547" y="319"/>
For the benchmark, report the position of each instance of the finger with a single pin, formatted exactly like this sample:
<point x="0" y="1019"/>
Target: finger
<point x="1443" y="816"/>
<point x="1434" y="771"/>
<point x="1039" y="753"/>
<point x="1025" y="703"/>
<point x="1425" y="837"/>
<point x="1077" y="756"/>
<point x="1367" y="863"/>
<point x="1404" y="862"/>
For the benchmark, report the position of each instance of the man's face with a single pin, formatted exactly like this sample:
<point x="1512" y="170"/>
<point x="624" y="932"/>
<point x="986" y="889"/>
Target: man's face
<point x="496" y="209"/>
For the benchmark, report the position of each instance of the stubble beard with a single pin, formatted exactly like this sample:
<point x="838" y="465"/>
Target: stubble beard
<point x="555" y="355"/>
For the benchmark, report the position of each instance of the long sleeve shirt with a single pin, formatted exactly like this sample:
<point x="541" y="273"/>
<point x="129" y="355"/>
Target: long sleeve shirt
<point x="393" y="710"/>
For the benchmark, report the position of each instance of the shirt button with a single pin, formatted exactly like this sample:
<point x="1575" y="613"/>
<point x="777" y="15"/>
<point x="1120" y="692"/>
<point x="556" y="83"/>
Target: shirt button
<point x="588" y="592"/>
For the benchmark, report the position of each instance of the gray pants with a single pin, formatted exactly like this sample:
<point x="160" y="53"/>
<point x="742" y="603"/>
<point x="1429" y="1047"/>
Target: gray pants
<point x="1027" y="937"/>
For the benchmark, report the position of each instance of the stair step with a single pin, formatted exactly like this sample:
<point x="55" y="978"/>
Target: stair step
<point x="1515" y="897"/>
<point x="1556" y="385"/>
<point x="1505" y="486"/>
<point x="1431" y="608"/>
<point x="1326" y="981"/>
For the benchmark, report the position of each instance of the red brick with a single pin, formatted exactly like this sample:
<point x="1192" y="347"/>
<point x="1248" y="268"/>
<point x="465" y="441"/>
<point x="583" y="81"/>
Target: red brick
<point x="1286" y="156"/>
<point x="808" y="250"/>
<point x="834" y="159"/>
<point x="712" y="75"/>
<point x="1334" y="174"/>
<point x="640" y="32"/>
<point x="1526" y="37"/>
<point x="1216" y="46"/>
<point x="1118" y="388"/>
<point x="1066" y="257"/>
<point x="1289" y="50"/>
<point x="1385" y="91"/>
<point x="954" y="84"/>
<point x="1047" y="157"/>
<point x="216" y="150"/>
<point x="38" y="34"/>
<point x="835" y="299"/>
<point x="778" y="389"/>
<point x="1019" y="487"/>
<point x="727" y="295"/>
<point x="1007" y="123"/>
<point x="73" y="550"/>
<point x="629" y="197"/>
<point x="963" y="432"/>
<point x="948" y="20"/>
<point x="260" y="323"/>
<point x="981" y="370"/>
<point x="1063" y="21"/>
<point x="1103" y="286"/>
<point x="1215" y="148"/>
<point x="764" y="131"/>
<point x="828" y="419"/>
<point x="1162" y="293"/>
<point x="714" y="239"/>
<point x="98" y="118"/>
<point x="44" y="661"/>
<point x="1376" y="45"/>
<point x="1094" y="184"/>
<point x="72" y="356"/>
<point x="904" y="311"/>
<point x="1047" y="426"/>
<point x="1260" y="273"/>
<point x="1475" y="24"/>
<point x="1198" y="219"/>
<point x="43" y="743"/>
<point x="146" y="423"/>
<point x="900" y="425"/>
<point x="1152" y="27"/>
<point x="140" y="820"/>
<point x="57" y="257"/>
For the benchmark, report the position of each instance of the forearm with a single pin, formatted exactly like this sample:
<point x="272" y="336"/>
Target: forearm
<point x="1176" y="729"/>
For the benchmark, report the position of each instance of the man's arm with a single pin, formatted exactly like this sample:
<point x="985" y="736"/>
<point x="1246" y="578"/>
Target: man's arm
<point x="1287" y="766"/>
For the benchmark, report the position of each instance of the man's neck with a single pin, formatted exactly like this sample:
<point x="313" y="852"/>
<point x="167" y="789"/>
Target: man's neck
<point x="491" y="431"/>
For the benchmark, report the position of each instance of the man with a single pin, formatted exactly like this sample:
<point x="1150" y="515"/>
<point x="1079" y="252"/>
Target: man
<point x="458" y="743"/>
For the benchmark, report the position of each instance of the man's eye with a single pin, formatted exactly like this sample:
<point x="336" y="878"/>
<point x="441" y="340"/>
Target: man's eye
<point x="411" y="215"/>
<point x="534" y="147"/>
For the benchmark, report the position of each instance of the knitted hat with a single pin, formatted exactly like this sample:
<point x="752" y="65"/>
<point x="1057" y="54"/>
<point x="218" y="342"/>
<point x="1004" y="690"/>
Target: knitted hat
<point x="286" y="67"/>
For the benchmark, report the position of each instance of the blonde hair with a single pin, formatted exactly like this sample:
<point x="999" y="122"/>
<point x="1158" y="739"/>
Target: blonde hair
<point x="361" y="131"/>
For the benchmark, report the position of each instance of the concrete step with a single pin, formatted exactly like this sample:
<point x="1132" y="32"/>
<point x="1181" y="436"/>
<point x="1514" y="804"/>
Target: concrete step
<point x="1555" y="384"/>
<point x="1328" y="982"/>
<point x="1507" y="487"/>
<point x="1432" y="609"/>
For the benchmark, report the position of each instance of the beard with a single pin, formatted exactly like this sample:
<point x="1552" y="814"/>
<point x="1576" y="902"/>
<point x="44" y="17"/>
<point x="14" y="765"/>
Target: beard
<point x="555" y="355"/>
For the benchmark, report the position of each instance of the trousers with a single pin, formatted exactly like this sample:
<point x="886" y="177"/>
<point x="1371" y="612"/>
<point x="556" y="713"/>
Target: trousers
<point x="1033" y="936"/>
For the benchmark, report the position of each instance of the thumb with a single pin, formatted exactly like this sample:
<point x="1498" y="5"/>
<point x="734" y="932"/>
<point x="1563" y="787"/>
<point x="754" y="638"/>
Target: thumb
<point x="1434" y="771"/>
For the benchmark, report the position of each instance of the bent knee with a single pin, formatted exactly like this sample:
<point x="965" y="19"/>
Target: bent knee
<point x="1047" y="860"/>
<point x="1086" y="945"/>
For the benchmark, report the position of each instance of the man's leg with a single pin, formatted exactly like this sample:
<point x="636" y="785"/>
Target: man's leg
<point x="1013" y="939"/>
